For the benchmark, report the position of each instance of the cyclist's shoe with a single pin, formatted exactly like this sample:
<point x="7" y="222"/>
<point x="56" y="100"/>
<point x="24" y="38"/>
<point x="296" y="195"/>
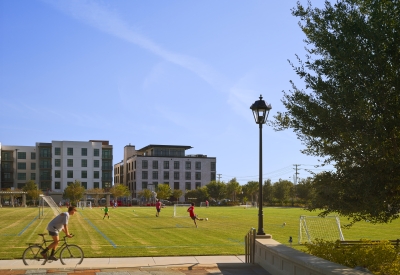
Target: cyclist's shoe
<point x="44" y="254"/>
<point x="52" y="258"/>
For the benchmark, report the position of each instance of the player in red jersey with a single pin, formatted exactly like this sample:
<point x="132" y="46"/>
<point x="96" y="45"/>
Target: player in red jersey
<point x="158" y="208"/>
<point x="193" y="216"/>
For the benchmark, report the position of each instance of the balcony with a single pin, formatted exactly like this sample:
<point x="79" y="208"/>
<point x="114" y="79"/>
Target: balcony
<point x="106" y="156"/>
<point x="7" y="159"/>
<point x="48" y="166"/>
<point x="107" y="178"/>
<point x="10" y="170"/>
<point x="47" y="155"/>
<point x="106" y="167"/>
<point x="45" y="177"/>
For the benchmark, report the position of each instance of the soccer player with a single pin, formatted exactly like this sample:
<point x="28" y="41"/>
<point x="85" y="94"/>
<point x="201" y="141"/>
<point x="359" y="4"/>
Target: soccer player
<point x="59" y="223"/>
<point x="106" y="212"/>
<point x="158" y="208"/>
<point x="193" y="216"/>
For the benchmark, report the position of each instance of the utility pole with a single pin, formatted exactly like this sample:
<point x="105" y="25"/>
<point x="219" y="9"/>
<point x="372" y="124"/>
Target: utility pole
<point x="296" y="173"/>
<point x="219" y="177"/>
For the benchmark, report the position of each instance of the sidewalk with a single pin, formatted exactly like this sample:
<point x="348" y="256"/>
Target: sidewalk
<point x="196" y="265"/>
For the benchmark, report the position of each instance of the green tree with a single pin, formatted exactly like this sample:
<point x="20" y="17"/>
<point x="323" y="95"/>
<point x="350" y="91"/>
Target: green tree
<point x="252" y="190"/>
<point x="74" y="192"/>
<point x="119" y="190"/>
<point x="32" y="190"/>
<point x="268" y="192"/>
<point x="349" y="112"/>
<point x="146" y="193"/>
<point x="233" y="188"/>
<point x="305" y="190"/>
<point x="216" y="190"/>
<point x="164" y="191"/>
<point x="177" y="193"/>
<point x="282" y="190"/>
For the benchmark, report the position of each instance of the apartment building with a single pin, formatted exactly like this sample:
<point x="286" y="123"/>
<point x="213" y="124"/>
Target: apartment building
<point x="152" y="165"/>
<point x="52" y="166"/>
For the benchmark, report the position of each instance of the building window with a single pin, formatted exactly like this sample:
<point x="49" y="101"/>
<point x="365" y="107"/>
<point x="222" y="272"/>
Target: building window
<point x="212" y="176"/>
<point x="96" y="174"/>
<point x="96" y="184"/>
<point x="188" y="175"/>
<point x="84" y="174"/>
<point x="144" y="164"/>
<point x="198" y="165"/>
<point x="33" y="176"/>
<point x="70" y="151"/>
<point x="84" y="184"/>
<point x="155" y="175"/>
<point x="155" y="164"/>
<point x="96" y="152"/>
<point x="188" y="186"/>
<point x="198" y="185"/>
<point x="33" y="155"/>
<point x="188" y="165"/>
<point x="84" y="151"/>
<point x="84" y="163"/>
<point x="166" y="175"/>
<point x="57" y="185"/>
<point x="57" y="151"/>
<point x="70" y="163"/>
<point x="21" y="165"/>
<point x="176" y="164"/>
<point x="46" y="164"/>
<point x="33" y="166"/>
<point x="176" y="185"/>
<point x="96" y="163"/>
<point x="166" y="164"/>
<point x="144" y="175"/>
<point x="198" y="176"/>
<point x="106" y="154"/>
<point x="176" y="175"/>
<point x="57" y="174"/>
<point x="144" y="185"/>
<point x="21" y="155"/>
<point x="70" y="174"/>
<point x="21" y="176"/>
<point x="57" y="162"/>
<point x="213" y="166"/>
<point x="45" y="152"/>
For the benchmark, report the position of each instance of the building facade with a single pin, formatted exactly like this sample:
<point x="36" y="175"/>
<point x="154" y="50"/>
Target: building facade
<point x="152" y="165"/>
<point x="52" y="166"/>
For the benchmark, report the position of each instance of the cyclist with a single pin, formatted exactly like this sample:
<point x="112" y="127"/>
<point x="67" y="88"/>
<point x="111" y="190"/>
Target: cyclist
<point x="59" y="223"/>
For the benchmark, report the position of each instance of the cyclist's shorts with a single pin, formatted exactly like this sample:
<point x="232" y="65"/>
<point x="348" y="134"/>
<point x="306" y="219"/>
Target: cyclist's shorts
<point x="51" y="233"/>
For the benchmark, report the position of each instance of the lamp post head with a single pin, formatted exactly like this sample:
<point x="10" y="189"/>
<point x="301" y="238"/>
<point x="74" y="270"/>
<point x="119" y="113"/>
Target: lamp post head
<point x="260" y="110"/>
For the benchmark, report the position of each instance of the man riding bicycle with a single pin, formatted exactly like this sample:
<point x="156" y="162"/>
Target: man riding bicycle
<point x="59" y="223"/>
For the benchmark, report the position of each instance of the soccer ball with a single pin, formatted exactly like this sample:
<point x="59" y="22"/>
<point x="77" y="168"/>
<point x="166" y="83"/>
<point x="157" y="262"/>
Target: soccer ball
<point x="206" y="219"/>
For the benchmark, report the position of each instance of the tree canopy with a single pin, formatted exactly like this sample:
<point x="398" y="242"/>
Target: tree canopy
<point x="74" y="192"/>
<point x="349" y="112"/>
<point x="164" y="191"/>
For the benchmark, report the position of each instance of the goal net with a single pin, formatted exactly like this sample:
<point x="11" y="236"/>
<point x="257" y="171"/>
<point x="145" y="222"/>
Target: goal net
<point x="53" y="205"/>
<point x="250" y="204"/>
<point x="315" y="227"/>
<point x="180" y="210"/>
<point x="84" y="204"/>
<point x="203" y="204"/>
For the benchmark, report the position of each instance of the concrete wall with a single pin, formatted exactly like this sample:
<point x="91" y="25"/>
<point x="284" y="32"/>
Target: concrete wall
<point x="279" y="259"/>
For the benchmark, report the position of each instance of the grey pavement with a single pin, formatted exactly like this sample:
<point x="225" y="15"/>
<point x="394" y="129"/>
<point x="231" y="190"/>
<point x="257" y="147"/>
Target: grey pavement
<point x="190" y="265"/>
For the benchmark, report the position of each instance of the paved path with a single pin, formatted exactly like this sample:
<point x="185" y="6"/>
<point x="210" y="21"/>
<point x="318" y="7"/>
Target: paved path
<point x="192" y="265"/>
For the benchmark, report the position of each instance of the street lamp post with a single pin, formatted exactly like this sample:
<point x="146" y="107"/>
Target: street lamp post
<point x="260" y="111"/>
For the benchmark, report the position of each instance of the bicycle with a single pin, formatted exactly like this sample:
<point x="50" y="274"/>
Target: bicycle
<point x="70" y="254"/>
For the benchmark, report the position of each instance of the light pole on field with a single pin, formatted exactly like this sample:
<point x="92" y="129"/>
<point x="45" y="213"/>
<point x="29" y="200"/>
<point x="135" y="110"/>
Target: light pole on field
<point x="260" y="112"/>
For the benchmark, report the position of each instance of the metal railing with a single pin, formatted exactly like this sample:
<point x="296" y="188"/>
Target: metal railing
<point x="250" y="245"/>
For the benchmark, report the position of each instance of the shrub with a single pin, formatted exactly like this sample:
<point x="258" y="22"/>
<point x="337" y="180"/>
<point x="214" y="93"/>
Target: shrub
<point x="381" y="258"/>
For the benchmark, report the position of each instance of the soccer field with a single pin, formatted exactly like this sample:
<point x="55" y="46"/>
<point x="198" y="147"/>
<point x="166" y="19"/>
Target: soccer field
<point x="136" y="231"/>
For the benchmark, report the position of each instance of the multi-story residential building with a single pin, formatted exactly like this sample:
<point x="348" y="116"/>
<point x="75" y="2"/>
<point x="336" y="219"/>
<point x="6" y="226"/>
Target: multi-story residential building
<point x="52" y="166"/>
<point x="152" y="165"/>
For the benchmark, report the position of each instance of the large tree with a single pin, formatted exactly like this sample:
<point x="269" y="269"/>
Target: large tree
<point x="217" y="190"/>
<point x="233" y="188"/>
<point x="74" y="192"/>
<point x="32" y="190"/>
<point x="164" y="191"/>
<point x="119" y="190"/>
<point x="349" y="111"/>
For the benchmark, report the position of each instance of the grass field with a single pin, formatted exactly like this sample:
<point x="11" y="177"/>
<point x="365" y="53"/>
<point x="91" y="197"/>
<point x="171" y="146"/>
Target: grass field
<point x="136" y="231"/>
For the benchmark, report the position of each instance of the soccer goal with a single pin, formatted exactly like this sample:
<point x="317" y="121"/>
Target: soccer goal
<point x="50" y="202"/>
<point x="203" y="204"/>
<point x="315" y="227"/>
<point x="250" y="204"/>
<point x="180" y="210"/>
<point x="84" y="204"/>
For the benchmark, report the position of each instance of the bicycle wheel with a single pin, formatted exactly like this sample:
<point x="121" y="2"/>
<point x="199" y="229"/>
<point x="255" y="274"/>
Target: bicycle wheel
<point x="32" y="257"/>
<point x="71" y="255"/>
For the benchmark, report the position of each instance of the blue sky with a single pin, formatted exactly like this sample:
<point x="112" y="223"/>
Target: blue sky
<point x="153" y="72"/>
